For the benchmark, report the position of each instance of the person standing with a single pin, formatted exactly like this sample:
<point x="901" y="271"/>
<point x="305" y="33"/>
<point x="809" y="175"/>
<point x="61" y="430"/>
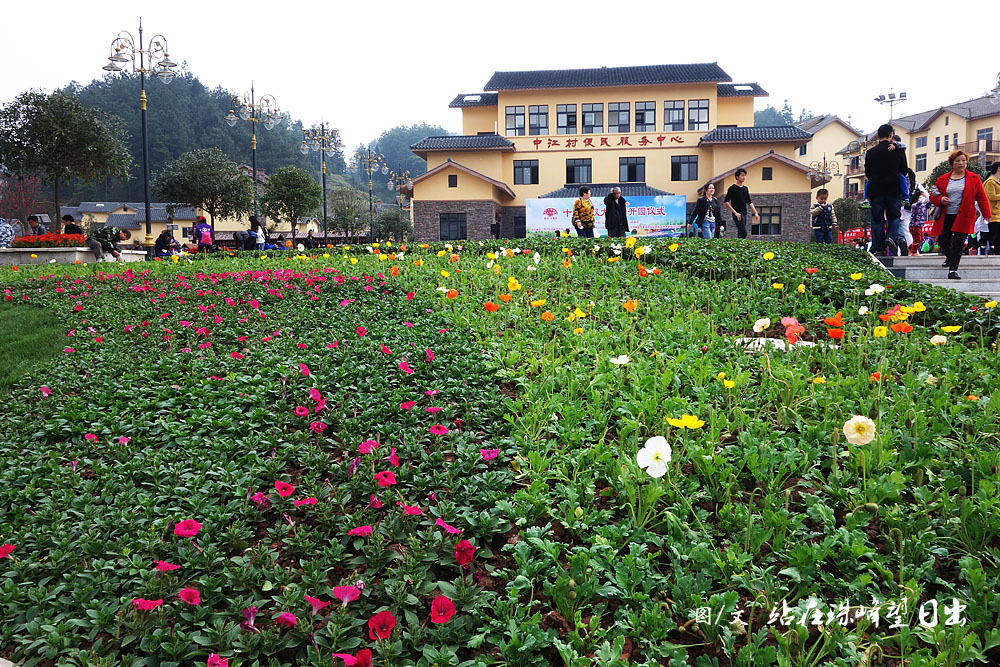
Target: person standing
<point x="884" y="163"/>
<point x="823" y="217"/>
<point x="738" y="202"/>
<point x="36" y="227"/>
<point x="706" y="212"/>
<point x="6" y="234"/>
<point x="204" y="235"/>
<point x="583" y="214"/>
<point x="615" y="213"/>
<point x="957" y="192"/>
<point x="992" y="187"/>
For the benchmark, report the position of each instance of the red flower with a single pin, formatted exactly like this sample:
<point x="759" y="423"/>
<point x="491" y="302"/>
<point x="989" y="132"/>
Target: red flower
<point x="90" y="437"/>
<point x="381" y="624"/>
<point x="368" y="446"/>
<point x="442" y="609"/>
<point x="901" y="327"/>
<point x="835" y="321"/>
<point x="375" y="503"/>
<point x="447" y="528"/>
<point x="392" y="458"/>
<point x="386" y="350"/>
<point x="317" y="427"/>
<point x="385" y="478"/>
<point x="409" y="405"/>
<point x="286" y="619"/>
<point x="405" y="367"/>
<point x="190" y="595"/>
<point x="163" y="566"/>
<point x="811" y="270"/>
<point x="187" y="528"/>
<point x="360" y="531"/>
<point x="464" y="551"/>
<point x="284" y="489"/>
<point x="316" y="604"/>
<point x="305" y="501"/>
<point x="6" y="549"/>
<point x="346" y="593"/>
<point x="491" y="307"/>
<point x="236" y="355"/>
<point x="835" y="334"/>
<point x="146" y="605"/>
<point x="214" y="659"/>
<point x="430" y="356"/>
<point x="876" y="376"/>
<point x="362" y="659"/>
<point x="303" y="369"/>
<point x="410" y="509"/>
<point x="361" y="331"/>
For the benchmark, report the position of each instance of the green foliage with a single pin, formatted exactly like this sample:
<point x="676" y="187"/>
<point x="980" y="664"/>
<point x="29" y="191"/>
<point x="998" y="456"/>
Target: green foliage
<point x="770" y="116"/>
<point x="208" y="179"/>
<point x="57" y="137"/>
<point x="393" y="224"/>
<point x="291" y="194"/>
<point x="29" y="338"/>
<point x="348" y="211"/>
<point x="395" y="144"/>
<point x="849" y="213"/>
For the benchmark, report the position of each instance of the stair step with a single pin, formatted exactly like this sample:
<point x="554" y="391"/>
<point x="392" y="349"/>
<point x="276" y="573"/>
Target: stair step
<point x="940" y="272"/>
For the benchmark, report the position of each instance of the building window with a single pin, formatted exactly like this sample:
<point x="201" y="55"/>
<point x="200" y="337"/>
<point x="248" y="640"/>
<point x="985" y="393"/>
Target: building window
<point x="770" y="221"/>
<point x="766" y="174"/>
<point x="618" y="117"/>
<point x="856" y="162"/>
<point x="578" y="171"/>
<point x="566" y="119"/>
<point x="921" y="142"/>
<point x="673" y="116"/>
<point x="645" y="116"/>
<point x="593" y="118"/>
<point x="520" y="227"/>
<point x="452" y="226"/>
<point x="853" y="188"/>
<point x="921" y="162"/>
<point x="515" y="121"/>
<point x="631" y="170"/>
<point x="985" y="134"/>
<point x="452" y="180"/>
<point x="684" y="168"/>
<point x="937" y="144"/>
<point x="538" y="119"/>
<point x="525" y="172"/>
<point x="945" y="120"/>
<point x="946" y="137"/>
<point x="698" y="115"/>
<point x="954" y="140"/>
<point x="802" y="149"/>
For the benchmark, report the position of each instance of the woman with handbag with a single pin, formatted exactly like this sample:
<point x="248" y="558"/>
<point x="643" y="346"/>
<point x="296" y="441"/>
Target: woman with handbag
<point x="957" y="192"/>
<point x="706" y="212"/>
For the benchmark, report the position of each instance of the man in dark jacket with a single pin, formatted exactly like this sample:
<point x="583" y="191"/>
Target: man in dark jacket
<point x="615" y="213"/>
<point x="883" y="165"/>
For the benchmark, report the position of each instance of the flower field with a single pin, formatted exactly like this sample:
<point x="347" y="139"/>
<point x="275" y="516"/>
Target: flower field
<point x="575" y="453"/>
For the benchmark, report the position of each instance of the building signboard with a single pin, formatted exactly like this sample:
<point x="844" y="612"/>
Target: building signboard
<point x="664" y="215"/>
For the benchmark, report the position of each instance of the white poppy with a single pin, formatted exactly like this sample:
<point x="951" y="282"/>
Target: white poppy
<point x="537" y="258"/>
<point x="620" y="360"/>
<point x="760" y="325"/>
<point x="859" y="430"/>
<point x="863" y="310"/>
<point x="938" y="340"/>
<point x="654" y="456"/>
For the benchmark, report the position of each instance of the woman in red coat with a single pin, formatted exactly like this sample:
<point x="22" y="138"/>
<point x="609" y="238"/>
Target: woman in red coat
<point x="956" y="193"/>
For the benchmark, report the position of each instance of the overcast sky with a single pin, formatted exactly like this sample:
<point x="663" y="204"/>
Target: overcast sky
<point x="367" y="66"/>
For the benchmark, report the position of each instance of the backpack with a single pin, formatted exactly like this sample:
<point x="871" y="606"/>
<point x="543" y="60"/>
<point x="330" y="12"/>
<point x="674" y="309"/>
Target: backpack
<point x="206" y="236"/>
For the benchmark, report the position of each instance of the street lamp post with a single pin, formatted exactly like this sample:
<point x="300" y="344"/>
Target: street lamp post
<point x="325" y="141"/>
<point x="124" y="49"/>
<point x="823" y="170"/>
<point x="397" y="179"/>
<point x="369" y="161"/>
<point x="264" y="111"/>
<point x="892" y="100"/>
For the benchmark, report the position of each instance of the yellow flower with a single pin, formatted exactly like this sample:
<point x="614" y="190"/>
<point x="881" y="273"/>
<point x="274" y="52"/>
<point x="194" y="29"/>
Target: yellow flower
<point x="375" y="245"/>
<point x="907" y="309"/>
<point x="491" y="255"/>
<point x="388" y="244"/>
<point x="778" y="285"/>
<point x="768" y="256"/>
<point x="579" y="313"/>
<point x="176" y="259"/>
<point x="512" y="284"/>
<point x="801" y="288"/>
<point x="34" y="256"/>
<point x="326" y="255"/>
<point x="951" y="329"/>
<point x="721" y="376"/>
<point x="819" y="380"/>
<point x="538" y="304"/>
<point x="630" y="242"/>
<point x="686" y="421"/>
<point x="354" y="260"/>
<point x="496" y="269"/>
<point x="418" y="262"/>
<point x="856" y="276"/>
<point x="728" y="384"/>
<point x="639" y="252"/>
<point x="263" y="256"/>
<point x="571" y="317"/>
<point x="990" y="304"/>
<point x="445" y="274"/>
<point x="919" y="307"/>
<point x="612" y="260"/>
<point x="442" y="253"/>
<point x="578" y="330"/>
<point x="881" y="332"/>
<point x="673" y="247"/>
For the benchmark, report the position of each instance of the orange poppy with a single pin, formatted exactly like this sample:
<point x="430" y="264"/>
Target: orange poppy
<point x="491" y="307"/>
<point x="454" y="257"/>
<point x="567" y="264"/>
<point x="630" y="305"/>
<point x="452" y="293"/>
<point x="642" y="271"/>
<point x="835" y="334"/>
<point x="548" y="316"/>
<point x="394" y="271"/>
<point x="835" y="321"/>
<point x="901" y="327"/>
<point x="505" y="298"/>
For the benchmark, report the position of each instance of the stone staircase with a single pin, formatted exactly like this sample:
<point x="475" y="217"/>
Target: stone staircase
<point x="980" y="273"/>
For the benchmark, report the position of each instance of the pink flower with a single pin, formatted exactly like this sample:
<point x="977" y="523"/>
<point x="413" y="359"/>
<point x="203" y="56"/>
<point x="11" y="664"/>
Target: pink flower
<point x="215" y="660"/>
<point x="409" y="509"/>
<point x="6" y="549"/>
<point x="432" y="392"/>
<point x="346" y="302"/>
<point x="464" y="551"/>
<point x="301" y="411"/>
<point x="409" y="297"/>
<point x="90" y="437"/>
<point x="333" y="345"/>
<point x="163" y="566"/>
<point x="346" y="594"/>
<point x="317" y="427"/>
<point x="409" y="405"/>
<point x="489" y="454"/>
<point x="284" y="489"/>
<point x="405" y="367"/>
<point x="448" y="529"/>
<point x="374" y="503"/>
<point x="433" y="410"/>
<point x="304" y="369"/>
<point x="368" y="446"/>
<point x="204" y="346"/>
<point x="360" y="531"/>
<point x="442" y="609"/>
<point x="362" y="659"/>
<point x="788" y="321"/>
<point x="392" y="458"/>
<point x="187" y="528"/>
<point x="438" y="429"/>
<point x="190" y="595"/>
<point x="315" y="394"/>
<point x="69" y="350"/>
<point x="45" y="391"/>
<point x="315" y="603"/>
<point x="361" y="331"/>
<point x="124" y="440"/>
<point x="380" y="625"/>
<point x="385" y="478"/>
<point x="286" y="619"/>
<point x="143" y="604"/>
<point x="236" y="355"/>
<point x="430" y="356"/>
<point x="260" y="500"/>
<point x="305" y="501"/>
<point x="386" y="350"/>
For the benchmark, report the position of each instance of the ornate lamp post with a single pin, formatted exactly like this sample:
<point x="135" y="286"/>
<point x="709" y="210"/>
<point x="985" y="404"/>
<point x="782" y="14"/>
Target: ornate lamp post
<point x="824" y="170"/>
<point x="395" y="181"/>
<point x="251" y="110"/>
<point x="324" y="141"/>
<point x="124" y="48"/>
<point x="369" y="161"/>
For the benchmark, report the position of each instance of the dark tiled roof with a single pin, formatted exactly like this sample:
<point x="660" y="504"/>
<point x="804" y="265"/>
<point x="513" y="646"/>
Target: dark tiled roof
<point x="646" y="75"/>
<point x="467" y="142"/>
<point x="601" y="190"/>
<point x="122" y="221"/>
<point x="70" y="210"/>
<point x="99" y="206"/>
<point x="764" y="134"/>
<point x="740" y="90"/>
<point x="475" y="100"/>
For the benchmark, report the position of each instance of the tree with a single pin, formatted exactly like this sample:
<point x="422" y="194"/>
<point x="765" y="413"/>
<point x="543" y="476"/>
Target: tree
<point x="348" y="211"/>
<point x="290" y="195"/>
<point x="393" y="225"/>
<point x="207" y="179"/>
<point x="769" y="116"/>
<point x="56" y="136"/>
<point x="849" y="213"/>
<point x="395" y="144"/>
<point x="19" y="197"/>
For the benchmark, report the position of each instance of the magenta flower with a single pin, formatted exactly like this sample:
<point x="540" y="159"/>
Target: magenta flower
<point x="163" y="566"/>
<point x="374" y="503"/>
<point x="301" y="411"/>
<point x="45" y="391"/>
<point x="442" y="609"/>
<point x="286" y="619"/>
<point x="260" y="500"/>
<point x="190" y="596"/>
<point x="438" y="429"/>
<point x="409" y="296"/>
<point x="305" y="501"/>
<point x="304" y="369"/>
<point x="352" y="467"/>
<point x="187" y="528"/>
<point x="409" y="405"/>
<point x="433" y="410"/>
<point x="69" y="350"/>
<point x="316" y="604"/>
<point x="361" y="331"/>
<point x="315" y="394"/>
<point x="447" y="528"/>
<point x="385" y="478"/>
<point x="143" y="604"/>
<point x="430" y="356"/>
<point x="360" y="531"/>
<point x="432" y="392"/>
<point x="386" y="350"/>
<point x="317" y="427"/>
<point x="124" y="440"/>
<point x="405" y="367"/>
<point x="489" y="454"/>
<point x="6" y="549"/>
<point x="236" y="355"/>
<point x="91" y="437"/>
<point x="368" y="446"/>
<point x="284" y="489"/>
<point x="346" y="594"/>
<point x="216" y="660"/>
<point x="409" y="509"/>
<point x="249" y="614"/>
<point x="392" y="458"/>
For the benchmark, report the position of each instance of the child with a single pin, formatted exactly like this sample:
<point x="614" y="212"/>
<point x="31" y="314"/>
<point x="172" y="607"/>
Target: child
<point x="823" y="217"/>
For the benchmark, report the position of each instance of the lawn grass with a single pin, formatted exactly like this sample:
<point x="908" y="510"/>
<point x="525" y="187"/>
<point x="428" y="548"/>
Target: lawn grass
<point x="29" y="336"/>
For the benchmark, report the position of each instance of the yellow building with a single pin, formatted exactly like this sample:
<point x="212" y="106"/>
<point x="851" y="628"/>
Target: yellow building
<point x="652" y="130"/>
<point x="132" y="216"/>
<point x="972" y="126"/>
<point x="830" y="134"/>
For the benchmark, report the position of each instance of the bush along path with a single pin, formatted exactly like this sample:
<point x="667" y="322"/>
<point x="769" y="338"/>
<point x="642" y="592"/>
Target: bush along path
<point x="486" y="455"/>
